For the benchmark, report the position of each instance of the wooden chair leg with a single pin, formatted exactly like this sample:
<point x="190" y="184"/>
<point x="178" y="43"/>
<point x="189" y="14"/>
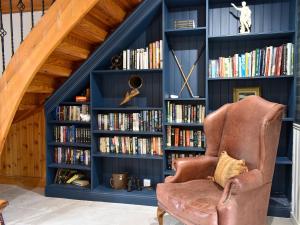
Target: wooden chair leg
<point x="1" y="219"/>
<point x="160" y="215"/>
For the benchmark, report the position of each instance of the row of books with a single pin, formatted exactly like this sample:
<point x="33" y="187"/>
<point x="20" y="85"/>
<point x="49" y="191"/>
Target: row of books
<point x="171" y="157"/>
<point x="131" y="145"/>
<point x="150" y="57"/>
<point x="72" y="156"/>
<point x="269" y="61"/>
<point x="71" y="113"/>
<point x="150" y="120"/>
<point x="178" y="137"/>
<point x="72" y="134"/>
<point x="179" y="113"/>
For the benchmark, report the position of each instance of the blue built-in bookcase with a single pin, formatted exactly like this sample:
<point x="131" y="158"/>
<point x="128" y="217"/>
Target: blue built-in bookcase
<point x="215" y="35"/>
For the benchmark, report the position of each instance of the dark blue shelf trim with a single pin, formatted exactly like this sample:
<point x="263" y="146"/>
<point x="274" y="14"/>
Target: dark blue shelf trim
<point x="185" y="99"/>
<point x="186" y="32"/>
<point x="185" y="149"/>
<point x="125" y="109"/>
<point x="127" y="156"/>
<point x="184" y="124"/>
<point x="99" y="72"/>
<point x="75" y="103"/>
<point x="137" y="21"/>
<point x="283" y="161"/>
<point x="185" y="3"/>
<point x="69" y="122"/>
<point x="68" y="144"/>
<point x="252" y="78"/>
<point x="138" y="133"/>
<point x="69" y="166"/>
<point x="253" y="36"/>
<point x="102" y="193"/>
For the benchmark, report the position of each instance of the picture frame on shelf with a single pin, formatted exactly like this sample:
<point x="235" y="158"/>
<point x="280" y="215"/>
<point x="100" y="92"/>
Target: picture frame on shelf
<point x="241" y="93"/>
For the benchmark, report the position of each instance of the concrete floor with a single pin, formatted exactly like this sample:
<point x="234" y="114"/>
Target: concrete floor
<point x="32" y="208"/>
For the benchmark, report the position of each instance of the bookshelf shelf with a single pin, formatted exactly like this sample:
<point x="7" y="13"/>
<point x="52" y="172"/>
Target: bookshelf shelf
<point x="185" y="99"/>
<point x="69" y="166"/>
<point x="127" y="156"/>
<point x="184" y="124"/>
<point x="69" y="187"/>
<point x="69" y="122"/>
<point x="126" y="72"/>
<point x="69" y="144"/>
<point x="131" y="133"/>
<point x="75" y="103"/>
<point x="186" y="32"/>
<point x="291" y="77"/>
<point x="283" y="161"/>
<point x="253" y="36"/>
<point x="133" y="109"/>
<point x="185" y="149"/>
<point x="169" y="172"/>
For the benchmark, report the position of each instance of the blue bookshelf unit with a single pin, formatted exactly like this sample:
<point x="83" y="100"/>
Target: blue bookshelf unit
<point x="215" y="35"/>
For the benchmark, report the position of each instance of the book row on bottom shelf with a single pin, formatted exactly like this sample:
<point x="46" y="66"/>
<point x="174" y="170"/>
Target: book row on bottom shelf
<point x="131" y="145"/>
<point x="72" y="134"/>
<point x="185" y="137"/>
<point x="72" y="113"/>
<point x="148" y="120"/>
<point x="172" y="156"/>
<point x="72" y="177"/>
<point x="185" y="113"/>
<point x="269" y="61"/>
<point x="72" y="156"/>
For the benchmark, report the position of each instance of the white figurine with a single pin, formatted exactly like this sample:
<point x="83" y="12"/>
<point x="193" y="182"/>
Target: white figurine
<point x="245" y="17"/>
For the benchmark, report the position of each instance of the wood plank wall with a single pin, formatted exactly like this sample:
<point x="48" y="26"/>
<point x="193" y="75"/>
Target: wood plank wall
<point x="24" y="157"/>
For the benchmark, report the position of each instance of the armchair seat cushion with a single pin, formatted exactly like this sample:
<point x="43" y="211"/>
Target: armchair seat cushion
<point x="191" y="201"/>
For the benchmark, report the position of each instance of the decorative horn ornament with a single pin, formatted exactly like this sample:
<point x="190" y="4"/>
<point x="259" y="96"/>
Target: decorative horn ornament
<point x="135" y="82"/>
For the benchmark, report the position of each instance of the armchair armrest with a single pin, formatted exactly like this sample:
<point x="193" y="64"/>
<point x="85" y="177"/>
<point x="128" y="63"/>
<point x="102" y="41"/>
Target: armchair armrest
<point x="193" y="168"/>
<point x="243" y="183"/>
<point x="3" y="204"/>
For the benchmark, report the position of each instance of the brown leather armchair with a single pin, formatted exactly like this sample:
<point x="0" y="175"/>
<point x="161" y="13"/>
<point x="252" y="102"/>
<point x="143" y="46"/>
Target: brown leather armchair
<point x="3" y="204"/>
<point x="249" y="130"/>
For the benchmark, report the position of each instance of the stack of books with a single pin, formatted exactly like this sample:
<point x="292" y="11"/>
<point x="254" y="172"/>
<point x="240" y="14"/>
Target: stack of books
<point x="131" y="145"/>
<point x="71" y="113"/>
<point x="150" y="57"/>
<point x="179" y="113"/>
<point x="72" y="134"/>
<point x="184" y="138"/>
<point x="150" y="120"/>
<point x="184" y="24"/>
<point x="269" y="61"/>
<point x="171" y="157"/>
<point x="72" y="156"/>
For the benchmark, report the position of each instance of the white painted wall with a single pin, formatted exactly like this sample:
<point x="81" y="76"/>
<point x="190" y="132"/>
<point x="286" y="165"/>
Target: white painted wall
<point x="17" y="32"/>
<point x="295" y="214"/>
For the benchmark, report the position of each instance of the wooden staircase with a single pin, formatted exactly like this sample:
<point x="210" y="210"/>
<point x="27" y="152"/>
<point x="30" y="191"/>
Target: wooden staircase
<point x="64" y="38"/>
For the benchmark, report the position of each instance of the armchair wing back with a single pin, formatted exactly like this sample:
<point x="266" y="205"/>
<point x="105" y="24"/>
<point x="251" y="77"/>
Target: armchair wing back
<point x="247" y="130"/>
